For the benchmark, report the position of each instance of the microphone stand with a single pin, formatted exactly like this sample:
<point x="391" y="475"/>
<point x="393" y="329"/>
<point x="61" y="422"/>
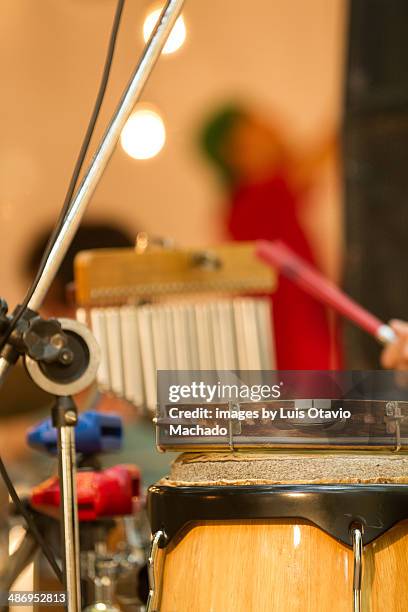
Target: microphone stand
<point x="65" y="413"/>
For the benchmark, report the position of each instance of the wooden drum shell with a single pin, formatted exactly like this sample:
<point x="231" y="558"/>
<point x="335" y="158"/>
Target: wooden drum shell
<point x="280" y="566"/>
<point x="282" y="563"/>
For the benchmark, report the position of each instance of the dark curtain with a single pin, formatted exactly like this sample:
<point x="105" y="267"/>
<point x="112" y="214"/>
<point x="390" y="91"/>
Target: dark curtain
<point x="375" y="166"/>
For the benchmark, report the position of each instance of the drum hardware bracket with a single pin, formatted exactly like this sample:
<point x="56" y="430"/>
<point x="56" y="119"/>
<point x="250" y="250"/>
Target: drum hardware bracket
<point x="393" y="420"/>
<point x="154" y="572"/>
<point x="332" y="508"/>
<point x="357" y="538"/>
<point x="234" y="426"/>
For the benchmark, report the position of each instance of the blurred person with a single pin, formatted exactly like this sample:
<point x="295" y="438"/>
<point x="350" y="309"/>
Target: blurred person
<point x="24" y="404"/>
<point x="268" y="186"/>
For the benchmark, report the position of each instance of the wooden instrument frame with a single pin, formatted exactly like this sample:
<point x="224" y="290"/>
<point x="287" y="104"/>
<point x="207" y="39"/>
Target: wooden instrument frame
<point x="122" y="276"/>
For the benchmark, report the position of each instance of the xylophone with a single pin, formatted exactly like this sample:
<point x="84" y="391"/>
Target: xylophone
<point x="174" y="309"/>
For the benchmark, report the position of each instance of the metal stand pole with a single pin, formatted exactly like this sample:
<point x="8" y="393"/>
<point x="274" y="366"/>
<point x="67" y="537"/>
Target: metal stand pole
<point x="64" y="417"/>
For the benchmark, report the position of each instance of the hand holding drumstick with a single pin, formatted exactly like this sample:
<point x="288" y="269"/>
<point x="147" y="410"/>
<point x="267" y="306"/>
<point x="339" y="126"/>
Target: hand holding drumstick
<point x="395" y="354"/>
<point x="394" y="335"/>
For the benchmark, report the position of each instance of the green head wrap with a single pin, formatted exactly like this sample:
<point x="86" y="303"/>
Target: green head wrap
<point x="213" y="136"/>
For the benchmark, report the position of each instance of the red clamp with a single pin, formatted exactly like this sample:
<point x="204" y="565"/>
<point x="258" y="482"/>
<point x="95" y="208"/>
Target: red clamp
<point x="111" y="492"/>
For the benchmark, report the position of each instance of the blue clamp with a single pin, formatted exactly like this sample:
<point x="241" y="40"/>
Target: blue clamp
<point x="95" y="432"/>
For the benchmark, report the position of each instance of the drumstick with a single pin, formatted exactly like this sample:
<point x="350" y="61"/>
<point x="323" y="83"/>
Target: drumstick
<point x="315" y="284"/>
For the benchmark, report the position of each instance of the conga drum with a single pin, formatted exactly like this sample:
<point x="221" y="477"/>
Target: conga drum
<point x="301" y="532"/>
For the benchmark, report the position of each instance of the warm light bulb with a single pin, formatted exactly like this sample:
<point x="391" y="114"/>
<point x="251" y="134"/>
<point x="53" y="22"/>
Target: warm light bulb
<point x="144" y="134"/>
<point x="177" y="35"/>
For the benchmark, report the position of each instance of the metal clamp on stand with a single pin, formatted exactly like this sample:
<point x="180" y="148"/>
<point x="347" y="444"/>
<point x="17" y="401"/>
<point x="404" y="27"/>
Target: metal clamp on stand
<point x="393" y="419"/>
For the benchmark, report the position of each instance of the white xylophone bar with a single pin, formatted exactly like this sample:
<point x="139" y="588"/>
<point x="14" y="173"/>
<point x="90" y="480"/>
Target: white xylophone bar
<point x="136" y="341"/>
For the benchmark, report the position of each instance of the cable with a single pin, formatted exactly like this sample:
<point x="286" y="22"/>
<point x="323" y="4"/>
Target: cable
<point x="85" y="144"/>
<point x="21" y="309"/>
<point x="77" y="169"/>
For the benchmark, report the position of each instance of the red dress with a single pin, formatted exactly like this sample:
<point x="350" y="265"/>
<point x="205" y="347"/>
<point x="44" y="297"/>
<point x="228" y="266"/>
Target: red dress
<point x="268" y="210"/>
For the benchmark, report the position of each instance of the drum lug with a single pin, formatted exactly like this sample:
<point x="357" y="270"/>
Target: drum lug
<point x="155" y="572"/>
<point x="357" y="538"/>
<point x="393" y="419"/>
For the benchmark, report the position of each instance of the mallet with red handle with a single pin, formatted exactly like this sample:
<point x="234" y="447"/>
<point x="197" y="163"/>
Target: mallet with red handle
<point x="278" y="255"/>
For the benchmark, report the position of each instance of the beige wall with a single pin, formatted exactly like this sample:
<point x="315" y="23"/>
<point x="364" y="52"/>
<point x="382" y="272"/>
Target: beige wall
<point x="284" y="54"/>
